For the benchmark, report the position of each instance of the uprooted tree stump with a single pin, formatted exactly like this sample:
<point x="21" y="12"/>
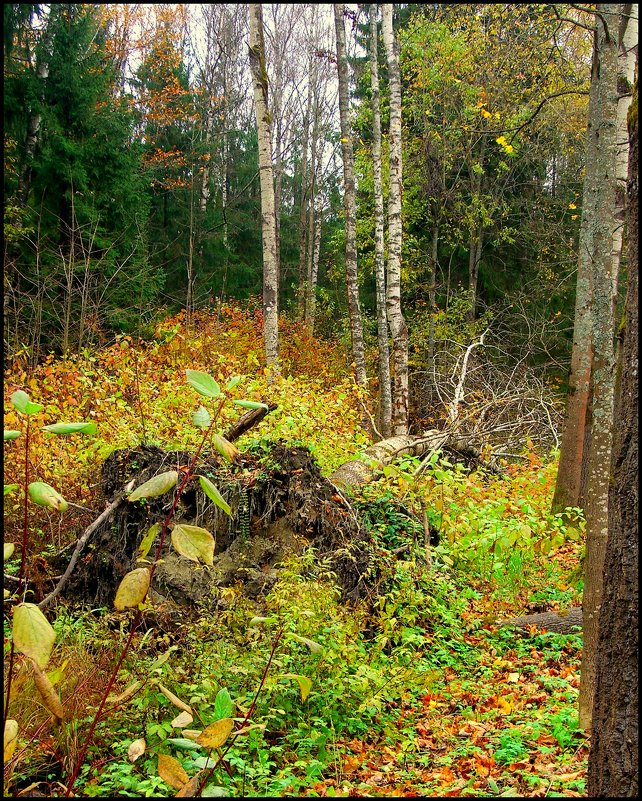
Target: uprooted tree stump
<point x="280" y="504"/>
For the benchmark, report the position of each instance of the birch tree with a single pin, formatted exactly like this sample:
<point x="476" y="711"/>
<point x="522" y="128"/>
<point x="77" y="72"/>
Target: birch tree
<point x="398" y="328"/>
<point x="268" y="218"/>
<point x="385" y="396"/>
<point x="349" y="200"/>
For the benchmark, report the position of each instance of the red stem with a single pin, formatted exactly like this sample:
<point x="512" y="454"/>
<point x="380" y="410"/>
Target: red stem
<point x="23" y="561"/>
<point x="186" y="478"/>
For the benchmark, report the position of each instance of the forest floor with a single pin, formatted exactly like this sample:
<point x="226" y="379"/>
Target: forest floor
<point x="414" y="691"/>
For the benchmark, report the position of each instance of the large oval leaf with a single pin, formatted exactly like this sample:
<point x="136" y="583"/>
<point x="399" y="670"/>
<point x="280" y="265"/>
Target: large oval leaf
<point x="216" y="733"/>
<point x="223" y="704"/>
<point x="21" y="402"/>
<point x="71" y="428"/>
<point x="10" y="738"/>
<point x="33" y="635"/>
<point x="132" y="589"/>
<point x="11" y="434"/>
<point x="225" y="447"/>
<point x="44" y="495"/>
<point x="193" y="542"/>
<point x="171" y="771"/>
<point x="203" y="383"/>
<point x="158" y="485"/>
<point x="246" y="404"/>
<point x="8" y="548"/>
<point x="214" y="495"/>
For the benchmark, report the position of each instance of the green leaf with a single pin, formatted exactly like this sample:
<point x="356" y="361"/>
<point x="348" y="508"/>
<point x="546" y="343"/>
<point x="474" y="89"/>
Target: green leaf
<point x="148" y="539"/>
<point x="214" y="495"/>
<point x="132" y="589"/>
<point x="44" y="495"/>
<point x="193" y="543"/>
<point x="10" y="488"/>
<point x="250" y="404"/>
<point x="21" y="402"/>
<point x="312" y="645"/>
<point x="8" y="548"/>
<point x="158" y="485"/>
<point x="201" y="418"/>
<point x="203" y="383"/>
<point x="71" y="428"/>
<point x="305" y="684"/>
<point x="232" y="382"/>
<point x="33" y="635"/>
<point x="11" y="434"/>
<point x="184" y="744"/>
<point x="223" y="705"/>
<point x="216" y="733"/>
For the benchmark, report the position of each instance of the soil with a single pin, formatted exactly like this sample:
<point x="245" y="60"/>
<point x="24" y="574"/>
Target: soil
<point x="280" y="502"/>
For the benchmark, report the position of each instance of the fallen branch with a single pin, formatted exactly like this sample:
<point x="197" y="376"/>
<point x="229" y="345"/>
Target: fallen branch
<point x="247" y="421"/>
<point x="109" y="511"/>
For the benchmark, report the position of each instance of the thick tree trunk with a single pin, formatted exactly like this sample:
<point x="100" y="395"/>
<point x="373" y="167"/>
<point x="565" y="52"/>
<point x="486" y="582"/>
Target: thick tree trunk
<point x="385" y="392"/>
<point x="600" y="166"/>
<point x="613" y="759"/>
<point x="349" y="199"/>
<point x="398" y="328"/>
<point x="268" y="217"/>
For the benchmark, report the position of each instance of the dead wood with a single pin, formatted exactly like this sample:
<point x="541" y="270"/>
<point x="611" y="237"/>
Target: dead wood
<point x="357" y="472"/>
<point x="559" y="622"/>
<point x="247" y="421"/>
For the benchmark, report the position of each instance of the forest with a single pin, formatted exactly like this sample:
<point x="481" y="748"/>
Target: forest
<point x="320" y="400"/>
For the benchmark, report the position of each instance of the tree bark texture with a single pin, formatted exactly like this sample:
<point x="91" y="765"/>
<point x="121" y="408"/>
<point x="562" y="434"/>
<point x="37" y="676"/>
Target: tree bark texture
<point x="613" y="759"/>
<point x="398" y="328"/>
<point x="601" y="166"/>
<point x="349" y="199"/>
<point x="268" y="218"/>
<point x="385" y="393"/>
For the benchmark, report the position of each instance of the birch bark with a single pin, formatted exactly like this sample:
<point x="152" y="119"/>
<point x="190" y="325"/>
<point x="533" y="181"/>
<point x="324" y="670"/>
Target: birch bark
<point x="268" y="218"/>
<point x="398" y="328"/>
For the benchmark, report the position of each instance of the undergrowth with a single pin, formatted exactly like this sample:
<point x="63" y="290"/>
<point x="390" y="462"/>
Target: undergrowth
<point x="414" y="691"/>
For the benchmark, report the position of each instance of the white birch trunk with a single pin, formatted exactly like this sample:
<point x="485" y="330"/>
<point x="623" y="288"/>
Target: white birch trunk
<point x="398" y="328"/>
<point x="268" y="218"/>
<point x="349" y="199"/>
<point x="385" y="393"/>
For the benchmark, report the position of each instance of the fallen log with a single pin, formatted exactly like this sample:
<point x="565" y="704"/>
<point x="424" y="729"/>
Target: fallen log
<point x="357" y="472"/>
<point x="558" y="622"/>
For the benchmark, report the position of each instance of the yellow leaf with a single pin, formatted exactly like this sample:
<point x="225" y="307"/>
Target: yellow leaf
<point x="305" y="684"/>
<point x="216" y="733"/>
<point x="193" y="542"/>
<point x="513" y="677"/>
<point x="33" y="635"/>
<point x="171" y="771"/>
<point x="49" y="696"/>
<point x="190" y="789"/>
<point x="132" y="589"/>
<point x="504" y="705"/>
<point x="174" y="699"/>
<point x="10" y="739"/>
